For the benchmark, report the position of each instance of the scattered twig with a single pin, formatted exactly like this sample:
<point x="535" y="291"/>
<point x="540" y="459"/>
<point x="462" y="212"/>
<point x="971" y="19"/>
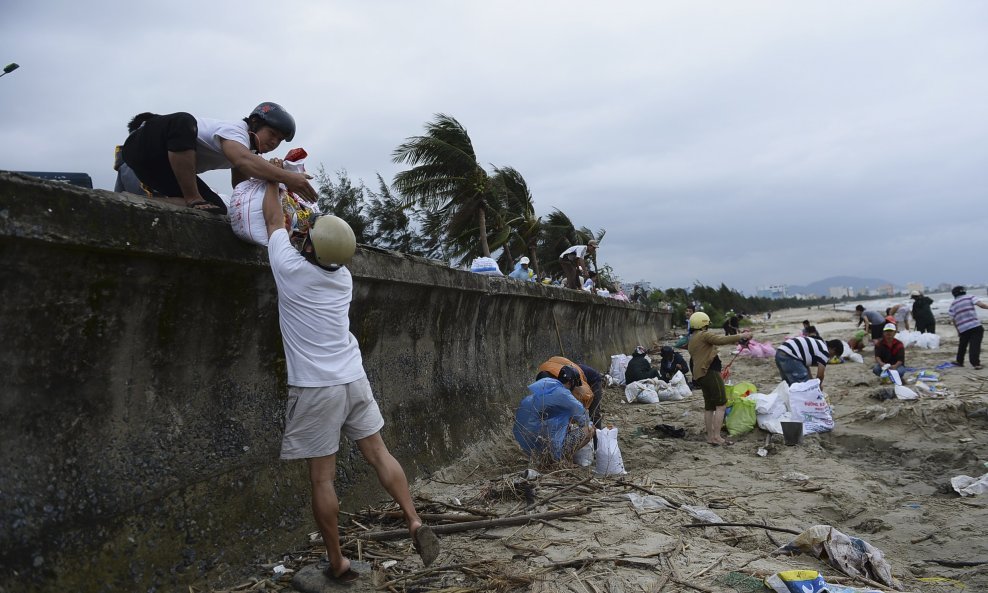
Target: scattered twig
<point x="427" y="571"/>
<point x="470" y="525"/>
<point x="959" y="563"/>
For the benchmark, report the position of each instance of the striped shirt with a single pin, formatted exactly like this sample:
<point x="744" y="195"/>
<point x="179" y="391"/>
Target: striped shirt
<point x="964" y="314"/>
<point x="810" y="351"/>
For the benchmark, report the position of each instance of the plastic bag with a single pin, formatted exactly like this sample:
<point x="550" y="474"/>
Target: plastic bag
<point x="642" y="392"/>
<point x="903" y="392"/>
<point x="808" y="404"/>
<point x="584" y="456"/>
<point x="609" y="461"/>
<point x="619" y="364"/>
<point x="246" y="207"/>
<point x="486" y="266"/>
<point x="681" y="388"/>
<point x="742" y="418"/>
<point x="968" y="486"/>
<point x="739" y="390"/>
<point x="777" y="403"/>
<point x="853" y="556"/>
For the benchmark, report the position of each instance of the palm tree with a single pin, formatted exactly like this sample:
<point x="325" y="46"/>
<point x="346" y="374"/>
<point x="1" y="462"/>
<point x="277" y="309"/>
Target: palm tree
<point x="447" y="181"/>
<point x="517" y="214"/>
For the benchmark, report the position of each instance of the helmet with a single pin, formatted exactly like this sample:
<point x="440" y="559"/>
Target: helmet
<point x="524" y="261"/>
<point x="699" y="320"/>
<point x="958" y="291"/>
<point x="568" y="374"/>
<point x="640" y="350"/>
<point x="666" y="351"/>
<point x="332" y="240"/>
<point x="274" y="115"/>
<point x="915" y="293"/>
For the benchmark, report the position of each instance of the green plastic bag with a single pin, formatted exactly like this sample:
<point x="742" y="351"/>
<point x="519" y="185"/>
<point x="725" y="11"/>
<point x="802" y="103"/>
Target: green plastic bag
<point x="739" y="390"/>
<point x="742" y="418"/>
<point x="682" y="342"/>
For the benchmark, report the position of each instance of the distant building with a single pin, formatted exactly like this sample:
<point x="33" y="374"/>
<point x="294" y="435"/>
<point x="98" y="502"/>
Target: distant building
<point x="840" y="292"/>
<point x="886" y="290"/>
<point x="944" y="287"/>
<point x="777" y="291"/>
<point x="918" y="286"/>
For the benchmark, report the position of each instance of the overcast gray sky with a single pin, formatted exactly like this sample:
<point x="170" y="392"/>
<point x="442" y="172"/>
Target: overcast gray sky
<point x="749" y="143"/>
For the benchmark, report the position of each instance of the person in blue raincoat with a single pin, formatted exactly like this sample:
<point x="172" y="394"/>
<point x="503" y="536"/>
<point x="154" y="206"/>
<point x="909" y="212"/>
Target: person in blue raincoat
<point x="522" y="271"/>
<point x="543" y="420"/>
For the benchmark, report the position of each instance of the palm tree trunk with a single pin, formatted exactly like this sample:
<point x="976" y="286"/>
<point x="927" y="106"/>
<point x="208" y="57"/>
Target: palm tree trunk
<point x="482" y="223"/>
<point x="535" y="261"/>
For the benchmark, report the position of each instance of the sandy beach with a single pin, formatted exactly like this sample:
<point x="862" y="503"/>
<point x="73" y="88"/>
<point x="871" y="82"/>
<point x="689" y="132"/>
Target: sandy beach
<point x="883" y="475"/>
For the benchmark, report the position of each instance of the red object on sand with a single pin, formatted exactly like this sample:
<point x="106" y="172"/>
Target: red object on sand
<point x="296" y="154"/>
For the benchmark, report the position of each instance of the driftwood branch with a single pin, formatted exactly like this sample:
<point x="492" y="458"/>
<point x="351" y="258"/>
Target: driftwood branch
<point x="755" y="525"/>
<point x="379" y="536"/>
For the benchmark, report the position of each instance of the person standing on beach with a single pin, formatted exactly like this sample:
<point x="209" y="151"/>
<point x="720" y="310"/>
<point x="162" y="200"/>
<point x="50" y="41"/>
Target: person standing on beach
<point x="922" y="313"/>
<point x="969" y="328"/>
<point x="706" y="373"/>
<point x="328" y="391"/>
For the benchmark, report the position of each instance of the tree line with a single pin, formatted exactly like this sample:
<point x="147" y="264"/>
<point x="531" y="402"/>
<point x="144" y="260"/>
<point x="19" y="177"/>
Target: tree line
<point x="447" y="206"/>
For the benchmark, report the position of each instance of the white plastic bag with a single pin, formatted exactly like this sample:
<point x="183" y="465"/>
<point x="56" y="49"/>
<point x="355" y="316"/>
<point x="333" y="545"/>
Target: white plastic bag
<point x="808" y="403"/>
<point x="679" y="386"/>
<point x="968" y="486"/>
<point x="642" y="392"/>
<point x="903" y="392"/>
<point x="584" y="457"/>
<point x="246" y="211"/>
<point x="486" y="266"/>
<point x="609" y="461"/>
<point x="619" y="364"/>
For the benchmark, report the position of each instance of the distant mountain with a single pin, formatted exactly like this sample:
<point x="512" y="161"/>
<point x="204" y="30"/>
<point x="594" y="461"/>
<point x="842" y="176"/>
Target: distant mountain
<point x="822" y="287"/>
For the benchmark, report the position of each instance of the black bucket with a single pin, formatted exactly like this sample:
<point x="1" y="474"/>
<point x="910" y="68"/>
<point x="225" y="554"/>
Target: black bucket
<point x="792" y="432"/>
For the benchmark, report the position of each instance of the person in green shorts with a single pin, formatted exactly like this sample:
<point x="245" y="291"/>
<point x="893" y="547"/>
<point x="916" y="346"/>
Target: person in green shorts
<point x="706" y="372"/>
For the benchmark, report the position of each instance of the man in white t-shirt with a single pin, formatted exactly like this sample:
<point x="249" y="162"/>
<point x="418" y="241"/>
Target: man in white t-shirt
<point x="574" y="264"/>
<point x="167" y="151"/>
<point x="328" y="391"/>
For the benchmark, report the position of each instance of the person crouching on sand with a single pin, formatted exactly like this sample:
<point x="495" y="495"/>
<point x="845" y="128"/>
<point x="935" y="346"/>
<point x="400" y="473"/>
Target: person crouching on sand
<point x="706" y="373"/>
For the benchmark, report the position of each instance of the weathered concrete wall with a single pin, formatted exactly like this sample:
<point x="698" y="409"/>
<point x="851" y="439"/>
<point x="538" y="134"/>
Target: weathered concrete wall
<point x="143" y="383"/>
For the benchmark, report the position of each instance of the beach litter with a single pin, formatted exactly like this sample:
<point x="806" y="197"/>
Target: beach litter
<point x="808" y="581"/>
<point x="968" y="486"/>
<point x="852" y="556"/>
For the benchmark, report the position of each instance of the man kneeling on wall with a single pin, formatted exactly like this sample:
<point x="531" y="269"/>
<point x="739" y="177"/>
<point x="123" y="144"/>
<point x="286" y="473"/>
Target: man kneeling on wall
<point x="551" y="424"/>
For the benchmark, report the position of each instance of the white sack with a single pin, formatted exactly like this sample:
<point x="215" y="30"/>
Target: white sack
<point x="680" y="386"/>
<point x="609" y="462"/>
<point x="619" y="364"/>
<point x="808" y="403"/>
<point x="246" y="212"/>
<point x="968" y="486"/>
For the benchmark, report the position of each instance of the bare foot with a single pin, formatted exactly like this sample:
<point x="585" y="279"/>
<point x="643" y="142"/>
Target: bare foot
<point x="344" y="573"/>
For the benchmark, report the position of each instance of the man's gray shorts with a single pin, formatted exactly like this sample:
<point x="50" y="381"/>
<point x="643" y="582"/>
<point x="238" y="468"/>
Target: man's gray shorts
<point x="315" y="417"/>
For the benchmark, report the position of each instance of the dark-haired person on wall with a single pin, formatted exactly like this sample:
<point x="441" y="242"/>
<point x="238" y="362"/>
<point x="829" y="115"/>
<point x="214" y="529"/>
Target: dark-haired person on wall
<point x="167" y="152"/>
<point x="969" y="328"/>
<point x="796" y="356"/>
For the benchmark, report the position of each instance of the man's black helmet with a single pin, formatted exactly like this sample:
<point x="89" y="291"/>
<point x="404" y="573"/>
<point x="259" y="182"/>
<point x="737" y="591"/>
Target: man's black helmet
<point x="958" y="291"/>
<point x="274" y="115"/>
<point x="568" y="374"/>
<point x="666" y="351"/>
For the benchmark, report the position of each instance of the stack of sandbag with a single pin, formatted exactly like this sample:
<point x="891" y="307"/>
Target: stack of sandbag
<point x="919" y="340"/>
<point x="652" y="391"/>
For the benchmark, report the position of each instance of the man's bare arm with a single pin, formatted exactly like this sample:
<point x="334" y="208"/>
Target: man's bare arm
<point x="251" y="165"/>
<point x="274" y="216"/>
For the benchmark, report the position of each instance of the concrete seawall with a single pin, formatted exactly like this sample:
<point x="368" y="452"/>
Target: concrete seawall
<point x="143" y="383"/>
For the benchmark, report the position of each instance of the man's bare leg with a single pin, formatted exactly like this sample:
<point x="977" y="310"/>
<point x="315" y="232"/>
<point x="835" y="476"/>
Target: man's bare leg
<point x="391" y="476"/>
<point x="716" y="423"/>
<point x="184" y="167"/>
<point x="326" y="509"/>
